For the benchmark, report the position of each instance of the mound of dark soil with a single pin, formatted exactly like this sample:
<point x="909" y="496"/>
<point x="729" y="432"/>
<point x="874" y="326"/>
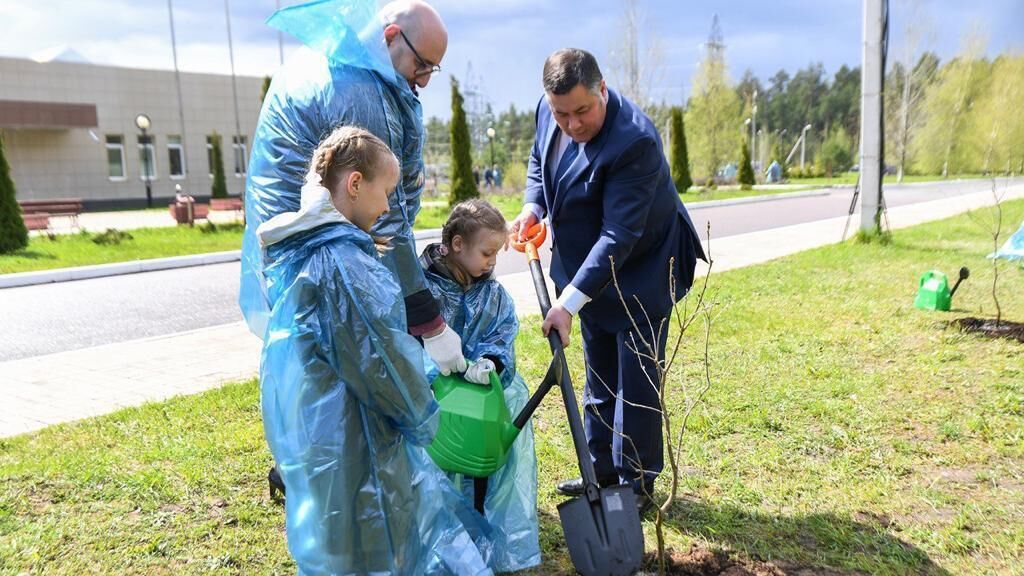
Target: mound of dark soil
<point x="699" y="561"/>
<point x="988" y="327"/>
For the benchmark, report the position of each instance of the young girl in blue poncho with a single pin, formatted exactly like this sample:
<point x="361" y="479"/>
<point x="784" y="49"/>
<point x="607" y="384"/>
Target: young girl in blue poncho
<point x="346" y="403"/>
<point x="460" y="274"/>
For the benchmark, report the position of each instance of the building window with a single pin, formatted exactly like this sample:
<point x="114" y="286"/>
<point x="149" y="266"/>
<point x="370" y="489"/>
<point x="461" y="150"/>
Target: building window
<point x="175" y="157"/>
<point x="239" y="146"/>
<point x="115" y="157"/>
<point x="147" y="158"/>
<point x="209" y="154"/>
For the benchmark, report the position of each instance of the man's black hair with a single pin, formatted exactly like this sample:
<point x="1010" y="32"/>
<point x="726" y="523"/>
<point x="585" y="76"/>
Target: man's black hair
<point x="568" y="67"/>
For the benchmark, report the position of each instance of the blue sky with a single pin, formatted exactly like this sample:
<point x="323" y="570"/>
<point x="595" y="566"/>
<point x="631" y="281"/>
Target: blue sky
<point x="507" y="40"/>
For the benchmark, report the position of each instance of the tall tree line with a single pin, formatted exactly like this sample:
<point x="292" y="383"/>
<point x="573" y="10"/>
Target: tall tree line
<point x="961" y="116"/>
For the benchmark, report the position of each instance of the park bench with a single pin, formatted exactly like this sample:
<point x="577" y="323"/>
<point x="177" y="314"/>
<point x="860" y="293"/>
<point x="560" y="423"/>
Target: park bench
<point x="235" y="205"/>
<point x="57" y="208"/>
<point x="179" y="211"/>
<point x="36" y="220"/>
<point x="226" y="204"/>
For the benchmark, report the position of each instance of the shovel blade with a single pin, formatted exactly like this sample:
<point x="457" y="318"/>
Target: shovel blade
<point x="604" y="538"/>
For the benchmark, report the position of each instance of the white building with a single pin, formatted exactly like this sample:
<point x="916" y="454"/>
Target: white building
<point x="69" y="131"/>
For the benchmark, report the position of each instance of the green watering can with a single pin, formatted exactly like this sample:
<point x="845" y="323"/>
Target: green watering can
<point x="933" y="291"/>
<point x="476" y="431"/>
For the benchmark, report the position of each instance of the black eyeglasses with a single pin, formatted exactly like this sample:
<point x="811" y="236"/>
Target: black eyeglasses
<point x="424" y="66"/>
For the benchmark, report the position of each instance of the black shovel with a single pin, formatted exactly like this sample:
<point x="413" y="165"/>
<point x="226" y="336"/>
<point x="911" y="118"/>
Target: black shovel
<point x="602" y="527"/>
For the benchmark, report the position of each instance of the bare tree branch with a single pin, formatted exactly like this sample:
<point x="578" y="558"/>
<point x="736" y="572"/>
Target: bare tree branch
<point x="647" y="353"/>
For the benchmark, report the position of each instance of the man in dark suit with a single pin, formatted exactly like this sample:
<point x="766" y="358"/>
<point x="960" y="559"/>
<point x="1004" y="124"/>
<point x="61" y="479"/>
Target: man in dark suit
<point x="597" y="172"/>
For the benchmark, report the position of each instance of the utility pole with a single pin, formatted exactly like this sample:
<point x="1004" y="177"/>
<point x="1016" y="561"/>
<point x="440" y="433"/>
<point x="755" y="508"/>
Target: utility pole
<point x="237" y="141"/>
<point x="177" y="83"/>
<point x="280" y="40"/>
<point x="872" y="66"/>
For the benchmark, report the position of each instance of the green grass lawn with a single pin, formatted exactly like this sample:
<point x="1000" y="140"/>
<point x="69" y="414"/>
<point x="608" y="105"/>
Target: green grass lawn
<point x="436" y="213"/>
<point x="851" y="178"/>
<point x="65" y="250"/>
<point x="698" y="195"/>
<point x="843" y="428"/>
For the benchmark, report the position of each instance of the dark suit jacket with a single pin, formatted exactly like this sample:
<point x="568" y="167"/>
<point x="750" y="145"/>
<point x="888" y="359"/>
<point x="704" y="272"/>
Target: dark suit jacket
<point x="616" y="202"/>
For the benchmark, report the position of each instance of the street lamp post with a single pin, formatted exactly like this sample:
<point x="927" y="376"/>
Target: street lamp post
<point x="760" y="150"/>
<point x="490" y="136"/>
<point x="803" y="145"/>
<point x="143" y="124"/>
<point x="749" y="132"/>
<point x="778" y="139"/>
<point x="753" y="129"/>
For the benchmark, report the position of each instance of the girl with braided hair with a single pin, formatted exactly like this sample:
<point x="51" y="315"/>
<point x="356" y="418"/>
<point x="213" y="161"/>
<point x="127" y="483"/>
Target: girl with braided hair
<point x="460" y="275"/>
<point x="346" y="404"/>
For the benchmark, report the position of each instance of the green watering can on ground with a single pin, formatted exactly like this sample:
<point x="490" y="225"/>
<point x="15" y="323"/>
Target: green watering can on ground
<point x="476" y="431"/>
<point x="933" y="291"/>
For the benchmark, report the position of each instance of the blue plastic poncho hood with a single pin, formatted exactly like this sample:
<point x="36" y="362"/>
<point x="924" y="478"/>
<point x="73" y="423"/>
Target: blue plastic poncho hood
<point x="484" y="315"/>
<point x="346" y="408"/>
<point x="346" y="32"/>
<point x="342" y="77"/>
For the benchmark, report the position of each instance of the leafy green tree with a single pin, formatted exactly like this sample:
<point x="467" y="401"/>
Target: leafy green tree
<point x="942" y="147"/>
<point x="841" y="104"/>
<point x="463" y="186"/>
<point x="13" y="234"/>
<point x="713" y="118"/>
<point x="806" y="91"/>
<point x="220" y="185"/>
<point x="996" y="122"/>
<point x="679" y="159"/>
<point x="905" y="89"/>
<point x="776" y="109"/>
<point x="746" y="175"/>
<point x="517" y="130"/>
<point x="836" y="155"/>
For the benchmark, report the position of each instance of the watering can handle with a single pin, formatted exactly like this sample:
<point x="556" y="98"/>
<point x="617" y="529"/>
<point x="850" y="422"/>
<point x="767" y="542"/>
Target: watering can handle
<point x="926" y="277"/>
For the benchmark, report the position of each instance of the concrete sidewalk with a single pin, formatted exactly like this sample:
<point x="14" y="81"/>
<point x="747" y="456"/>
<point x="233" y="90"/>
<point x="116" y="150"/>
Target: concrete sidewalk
<point x="67" y="386"/>
<point x="129" y="220"/>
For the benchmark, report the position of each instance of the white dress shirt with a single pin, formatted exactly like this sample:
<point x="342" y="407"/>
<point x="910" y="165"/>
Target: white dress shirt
<point x="571" y="299"/>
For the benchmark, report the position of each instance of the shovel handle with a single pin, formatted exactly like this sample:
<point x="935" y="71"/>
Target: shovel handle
<point x="535" y="236"/>
<point x="541" y="287"/>
<point x="560" y="367"/>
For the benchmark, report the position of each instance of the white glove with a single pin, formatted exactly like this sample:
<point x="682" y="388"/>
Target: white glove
<point x="445" y="350"/>
<point x="480" y="372"/>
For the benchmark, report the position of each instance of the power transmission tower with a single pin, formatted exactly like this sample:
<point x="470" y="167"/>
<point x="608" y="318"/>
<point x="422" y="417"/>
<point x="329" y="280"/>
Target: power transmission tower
<point x="476" y="105"/>
<point x="715" y="45"/>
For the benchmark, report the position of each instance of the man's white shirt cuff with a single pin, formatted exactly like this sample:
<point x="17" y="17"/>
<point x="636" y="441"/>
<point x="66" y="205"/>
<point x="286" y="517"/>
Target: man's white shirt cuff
<point x="536" y="209"/>
<point x="572" y="299"/>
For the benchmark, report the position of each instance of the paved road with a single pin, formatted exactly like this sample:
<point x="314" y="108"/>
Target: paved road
<point x="71" y="315"/>
<point x="742" y="218"/>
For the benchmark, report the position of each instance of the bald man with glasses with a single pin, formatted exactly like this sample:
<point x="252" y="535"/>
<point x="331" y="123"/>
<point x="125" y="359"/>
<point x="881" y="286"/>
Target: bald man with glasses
<point x="380" y="96"/>
<point x="344" y="76"/>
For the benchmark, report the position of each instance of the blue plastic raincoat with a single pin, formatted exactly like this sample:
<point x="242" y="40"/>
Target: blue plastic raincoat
<point x="342" y="76"/>
<point x="1013" y="249"/>
<point x="484" y="316"/>
<point x="347" y="406"/>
